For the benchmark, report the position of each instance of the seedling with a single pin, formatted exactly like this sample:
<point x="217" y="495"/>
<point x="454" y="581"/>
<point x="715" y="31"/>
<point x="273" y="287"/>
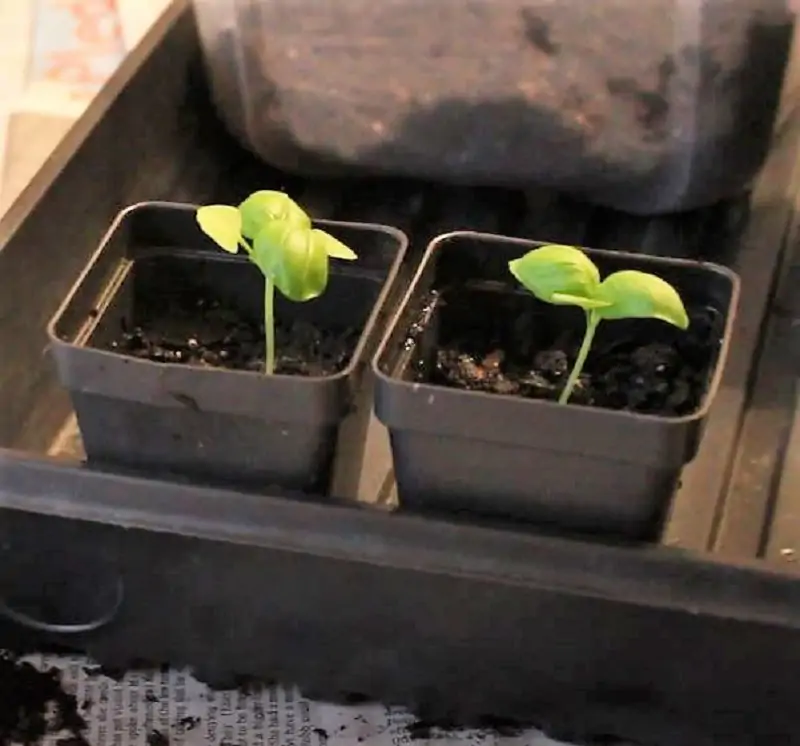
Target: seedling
<point x="278" y="237"/>
<point x="564" y="275"/>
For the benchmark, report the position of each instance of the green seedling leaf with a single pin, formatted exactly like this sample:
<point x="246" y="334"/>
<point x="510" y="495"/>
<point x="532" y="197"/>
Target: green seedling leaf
<point x="262" y="207"/>
<point x="333" y="247"/>
<point x="558" y="274"/>
<point x="565" y="299"/>
<point x="222" y="224"/>
<point x="289" y="256"/>
<point x="632" y="294"/>
<point x="564" y="275"/>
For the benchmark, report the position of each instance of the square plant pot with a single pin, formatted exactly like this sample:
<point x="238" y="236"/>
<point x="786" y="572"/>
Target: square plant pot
<point x="469" y="373"/>
<point x="158" y="346"/>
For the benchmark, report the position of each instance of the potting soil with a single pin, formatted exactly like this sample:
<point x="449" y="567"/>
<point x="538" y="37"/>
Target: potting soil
<point x="504" y="343"/>
<point x="206" y="332"/>
<point x="34" y="704"/>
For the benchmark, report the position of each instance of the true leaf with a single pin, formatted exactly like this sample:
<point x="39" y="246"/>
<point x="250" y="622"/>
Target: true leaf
<point x="287" y="254"/>
<point x="222" y="224"/>
<point x="634" y="294"/>
<point x="264" y="206"/>
<point x="333" y="247"/>
<point x="558" y="274"/>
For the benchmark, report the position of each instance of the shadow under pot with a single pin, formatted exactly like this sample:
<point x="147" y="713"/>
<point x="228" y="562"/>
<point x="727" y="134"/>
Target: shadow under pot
<point x="471" y="368"/>
<point x="160" y="344"/>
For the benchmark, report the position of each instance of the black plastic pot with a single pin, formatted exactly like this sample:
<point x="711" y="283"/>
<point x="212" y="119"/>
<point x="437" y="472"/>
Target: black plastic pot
<point x="573" y="467"/>
<point x="225" y="426"/>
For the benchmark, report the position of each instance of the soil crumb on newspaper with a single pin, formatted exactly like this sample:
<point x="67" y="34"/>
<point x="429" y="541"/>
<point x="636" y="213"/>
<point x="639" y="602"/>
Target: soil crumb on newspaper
<point x="34" y="704"/>
<point x="424" y="729"/>
<point x="499" y="727"/>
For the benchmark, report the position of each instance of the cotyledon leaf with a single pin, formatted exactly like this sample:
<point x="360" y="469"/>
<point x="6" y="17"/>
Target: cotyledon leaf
<point x="333" y="247"/>
<point x="557" y="274"/>
<point x="634" y="294"/>
<point x="587" y="304"/>
<point x="264" y="206"/>
<point x="222" y="224"/>
<point x="289" y="256"/>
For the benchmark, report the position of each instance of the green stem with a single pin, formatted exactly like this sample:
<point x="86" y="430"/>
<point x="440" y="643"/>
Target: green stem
<point x="592" y="321"/>
<point x="269" y="326"/>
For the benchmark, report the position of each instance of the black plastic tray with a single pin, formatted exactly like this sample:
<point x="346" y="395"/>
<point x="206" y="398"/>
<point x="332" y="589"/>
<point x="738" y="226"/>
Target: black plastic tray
<point x="694" y="640"/>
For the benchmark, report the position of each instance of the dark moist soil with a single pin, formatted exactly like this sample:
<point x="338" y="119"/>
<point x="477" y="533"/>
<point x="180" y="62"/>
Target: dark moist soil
<point x="34" y="704"/>
<point x="424" y="730"/>
<point x="505" y="344"/>
<point x="207" y="333"/>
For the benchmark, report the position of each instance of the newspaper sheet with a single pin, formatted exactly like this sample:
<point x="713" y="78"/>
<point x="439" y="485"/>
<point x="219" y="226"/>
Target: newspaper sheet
<point x="170" y="708"/>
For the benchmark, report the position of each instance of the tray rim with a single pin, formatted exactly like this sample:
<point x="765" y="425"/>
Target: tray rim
<point x="338" y="530"/>
<point x="31" y="482"/>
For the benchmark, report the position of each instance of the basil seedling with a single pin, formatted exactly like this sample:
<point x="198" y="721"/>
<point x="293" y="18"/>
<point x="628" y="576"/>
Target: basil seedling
<point x="278" y="237"/>
<point x="564" y="275"/>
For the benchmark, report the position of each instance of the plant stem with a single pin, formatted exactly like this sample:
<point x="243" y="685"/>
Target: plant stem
<point x="592" y="321"/>
<point x="269" y="326"/>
